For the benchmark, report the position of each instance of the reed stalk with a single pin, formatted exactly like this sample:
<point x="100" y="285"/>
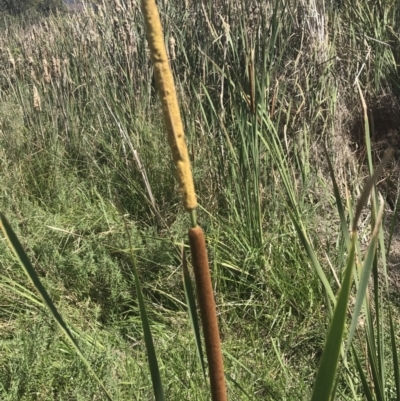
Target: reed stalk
<point x="174" y="126"/>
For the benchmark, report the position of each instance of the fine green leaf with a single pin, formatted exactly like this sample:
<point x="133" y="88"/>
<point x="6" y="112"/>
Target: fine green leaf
<point x="24" y="261"/>
<point x="190" y="299"/>
<point x="148" y="338"/>
<point x="364" y="381"/>
<point x="314" y="259"/>
<point x="393" y="223"/>
<point x="343" y="222"/>
<point x="396" y="370"/>
<point x="374" y="368"/>
<point x="364" y="279"/>
<point x="17" y="288"/>
<point x="325" y="380"/>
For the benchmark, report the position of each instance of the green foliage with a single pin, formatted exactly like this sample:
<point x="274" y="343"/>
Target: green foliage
<point x="18" y="7"/>
<point x="96" y="146"/>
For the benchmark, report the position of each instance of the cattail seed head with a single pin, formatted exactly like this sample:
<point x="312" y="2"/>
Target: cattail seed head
<point x="128" y="32"/>
<point x="31" y="64"/>
<point x="92" y="36"/>
<point x="118" y="7"/>
<point x="19" y="67"/>
<point x="172" y="117"/>
<point x="65" y="77"/>
<point x="46" y="74"/>
<point x="11" y="59"/>
<point x="172" y="44"/>
<point x="115" y="22"/>
<point x="56" y="67"/>
<point x="37" y="105"/>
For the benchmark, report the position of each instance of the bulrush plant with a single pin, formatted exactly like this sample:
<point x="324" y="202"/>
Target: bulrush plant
<point x="174" y="126"/>
<point x="36" y="99"/>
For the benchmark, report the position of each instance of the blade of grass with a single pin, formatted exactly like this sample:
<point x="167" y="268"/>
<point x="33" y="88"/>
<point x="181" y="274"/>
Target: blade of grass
<point x="366" y="128"/>
<point x="278" y="155"/>
<point x="24" y="261"/>
<point x="325" y="380"/>
<point x="20" y="290"/>
<point x="374" y="366"/>
<point x="379" y="324"/>
<point x="191" y="303"/>
<point x="396" y="370"/>
<point x="339" y="204"/>
<point x="326" y="374"/>
<point x="364" y="278"/>
<point x="393" y="224"/>
<point x="364" y="381"/>
<point x="313" y="257"/>
<point x="148" y="338"/>
<point x="237" y="385"/>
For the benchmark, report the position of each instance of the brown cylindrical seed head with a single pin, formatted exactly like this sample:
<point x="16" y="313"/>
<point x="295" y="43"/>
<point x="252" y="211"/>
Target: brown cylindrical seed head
<point x="46" y="73"/>
<point x="56" y="66"/>
<point x="166" y="89"/>
<point x="208" y="313"/>
<point x="11" y="59"/>
<point x="172" y="44"/>
<point x="37" y="104"/>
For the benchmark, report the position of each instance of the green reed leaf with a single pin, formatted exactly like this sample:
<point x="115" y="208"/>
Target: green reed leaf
<point x="30" y="271"/>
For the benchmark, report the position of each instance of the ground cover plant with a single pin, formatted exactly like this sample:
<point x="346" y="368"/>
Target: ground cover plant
<point x="264" y="88"/>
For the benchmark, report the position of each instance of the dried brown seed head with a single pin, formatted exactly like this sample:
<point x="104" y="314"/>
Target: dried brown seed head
<point x="172" y="44"/>
<point x="46" y="73"/>
<point x="37" y="104"/>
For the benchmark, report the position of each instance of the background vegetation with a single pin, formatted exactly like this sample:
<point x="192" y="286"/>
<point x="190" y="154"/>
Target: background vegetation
<point x="18" y="7"/>
<point x="262" y="86"/>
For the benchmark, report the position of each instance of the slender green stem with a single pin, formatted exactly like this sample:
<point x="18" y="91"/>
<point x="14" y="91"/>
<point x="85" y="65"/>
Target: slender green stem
<point x="193" y="218"/>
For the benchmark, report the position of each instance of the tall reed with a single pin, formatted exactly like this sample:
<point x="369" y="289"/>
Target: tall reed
<point x="174" y="126"/>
